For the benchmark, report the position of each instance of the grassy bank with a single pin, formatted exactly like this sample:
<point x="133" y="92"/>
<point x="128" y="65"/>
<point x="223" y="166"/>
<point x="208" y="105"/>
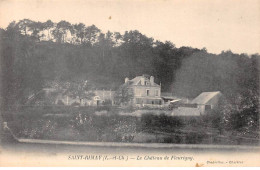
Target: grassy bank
<point x="105" y="124"/>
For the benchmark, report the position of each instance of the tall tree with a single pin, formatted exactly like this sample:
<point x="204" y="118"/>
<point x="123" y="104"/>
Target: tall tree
<point x="61" y="31"/>
<point x="36" y="27"/>
<point x="91" y="34"/>
<point x="47" y="26"/>
<point x="118" y="38"/>
<point x="23" y="25"/>
<point x="165" y="62"/>
<point x="22" y="73"/>
<point x="80" y="31"/>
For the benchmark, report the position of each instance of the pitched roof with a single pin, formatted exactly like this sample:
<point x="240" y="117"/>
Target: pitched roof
<point x="137" y="81"/>
<point x="205" y="97"/>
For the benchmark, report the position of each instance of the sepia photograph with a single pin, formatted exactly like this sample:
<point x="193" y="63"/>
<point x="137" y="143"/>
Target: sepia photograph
<point x="133" y="83"/>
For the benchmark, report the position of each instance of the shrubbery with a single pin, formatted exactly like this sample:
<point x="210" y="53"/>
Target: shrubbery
<point x="160" y="122"/>
<point x="82" y="123"/>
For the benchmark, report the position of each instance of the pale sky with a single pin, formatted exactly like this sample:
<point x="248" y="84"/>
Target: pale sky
<point x="216" y="24"/>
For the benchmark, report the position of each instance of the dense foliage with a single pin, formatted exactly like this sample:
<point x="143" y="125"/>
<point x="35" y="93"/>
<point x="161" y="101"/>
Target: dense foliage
<point x="35" y="54"/>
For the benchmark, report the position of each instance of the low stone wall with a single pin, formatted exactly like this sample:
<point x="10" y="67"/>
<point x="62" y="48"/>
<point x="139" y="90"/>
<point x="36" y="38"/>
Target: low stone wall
<point x="139" y="113"/>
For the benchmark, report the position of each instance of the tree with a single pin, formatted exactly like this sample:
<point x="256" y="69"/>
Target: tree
<point x="80" y="31"/>
<point x="118" y="38"/>
<point x="75" y="89"/>
<point x="47" y="26"/>
<point x="23" y="25"/>
<point x="91" y="34"/>
<point x="36" y="27"/>
<point x="11" y="31"/>
<point x="109" y="39"/>
<point x="137" y="39"/>
<point x="165" y="62"/>
<point x="61" y="30"/>
<point x="123" y="95"/>
<point x="22" y="75"/>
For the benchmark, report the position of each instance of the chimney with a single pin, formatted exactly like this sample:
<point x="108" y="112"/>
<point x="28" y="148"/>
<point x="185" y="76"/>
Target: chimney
<point x="152" y="80"/>
<point x="142" y="80"/>
<point x="126" y="79"/>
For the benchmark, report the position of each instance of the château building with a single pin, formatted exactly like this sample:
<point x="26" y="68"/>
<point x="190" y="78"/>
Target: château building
<point x="145" y="92"/>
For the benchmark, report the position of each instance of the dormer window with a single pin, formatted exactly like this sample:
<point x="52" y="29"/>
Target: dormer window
<point x="147" y="83"/>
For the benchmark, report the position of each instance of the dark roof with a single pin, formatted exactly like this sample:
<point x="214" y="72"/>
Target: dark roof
<point x="137" y="81"/>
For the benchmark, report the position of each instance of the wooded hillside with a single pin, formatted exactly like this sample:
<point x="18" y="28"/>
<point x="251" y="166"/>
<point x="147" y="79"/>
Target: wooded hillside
<point x="35" y="54"/>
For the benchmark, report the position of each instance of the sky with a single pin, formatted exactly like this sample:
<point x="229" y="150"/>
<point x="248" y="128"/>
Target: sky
<point x="216" y="25"/>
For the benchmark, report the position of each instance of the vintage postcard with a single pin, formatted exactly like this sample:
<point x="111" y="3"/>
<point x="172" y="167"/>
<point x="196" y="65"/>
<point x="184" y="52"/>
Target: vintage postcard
<point x="129" y="83"/>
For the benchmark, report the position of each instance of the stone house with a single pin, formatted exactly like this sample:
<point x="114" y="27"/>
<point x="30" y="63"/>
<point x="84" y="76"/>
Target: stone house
<point x="145" y="92"/>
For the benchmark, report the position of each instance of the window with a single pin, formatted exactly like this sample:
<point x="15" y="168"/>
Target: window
<point x="147" y="83"/>
<point x="147" y="92"/>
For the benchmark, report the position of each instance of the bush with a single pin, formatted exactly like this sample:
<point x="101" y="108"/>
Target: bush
<point x="195" y="138"/>
<point x="160" y="122"/>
